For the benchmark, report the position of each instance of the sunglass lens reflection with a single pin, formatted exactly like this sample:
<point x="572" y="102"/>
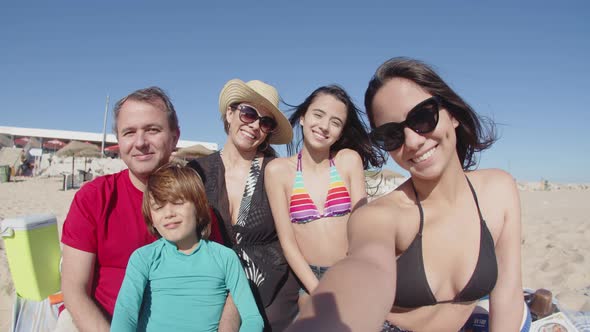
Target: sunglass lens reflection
<point x="249" y="115"/>
<point x="393" y="137"/>
<point x="267" y="124"/>
<point x="424" y="120"/>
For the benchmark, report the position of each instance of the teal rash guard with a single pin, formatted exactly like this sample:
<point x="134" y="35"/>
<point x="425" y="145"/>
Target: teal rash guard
<point x="167" y="290"/>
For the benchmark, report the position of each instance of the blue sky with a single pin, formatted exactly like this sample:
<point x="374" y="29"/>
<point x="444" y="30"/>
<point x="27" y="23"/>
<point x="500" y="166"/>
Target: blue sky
<point x="526" y="65"/>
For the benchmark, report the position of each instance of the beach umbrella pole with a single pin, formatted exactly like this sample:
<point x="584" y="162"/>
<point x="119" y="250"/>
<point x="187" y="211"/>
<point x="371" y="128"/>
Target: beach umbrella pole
<point x="73" y="172"/>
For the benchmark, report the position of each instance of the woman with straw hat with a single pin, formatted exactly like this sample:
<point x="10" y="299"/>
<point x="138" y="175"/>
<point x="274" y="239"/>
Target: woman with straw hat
<point x="234" y="182"/>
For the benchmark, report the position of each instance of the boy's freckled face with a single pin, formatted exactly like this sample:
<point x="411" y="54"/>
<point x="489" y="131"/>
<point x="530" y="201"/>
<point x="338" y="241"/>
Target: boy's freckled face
<point x="176" y="222"/>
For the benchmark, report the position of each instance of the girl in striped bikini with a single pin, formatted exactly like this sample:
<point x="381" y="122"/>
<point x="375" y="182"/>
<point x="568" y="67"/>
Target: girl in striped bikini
<point x="313" y="191"/>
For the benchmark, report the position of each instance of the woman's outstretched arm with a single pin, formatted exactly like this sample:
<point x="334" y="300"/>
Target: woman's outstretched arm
<point x="358" y="292"/>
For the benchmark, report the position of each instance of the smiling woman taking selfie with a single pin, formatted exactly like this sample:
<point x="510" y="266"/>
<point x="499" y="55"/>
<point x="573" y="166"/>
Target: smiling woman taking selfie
<point x="421" y="256"/>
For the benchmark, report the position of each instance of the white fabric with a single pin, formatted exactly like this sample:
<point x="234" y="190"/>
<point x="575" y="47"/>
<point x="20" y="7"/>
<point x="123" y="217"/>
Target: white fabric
<point x="28" y="315"/>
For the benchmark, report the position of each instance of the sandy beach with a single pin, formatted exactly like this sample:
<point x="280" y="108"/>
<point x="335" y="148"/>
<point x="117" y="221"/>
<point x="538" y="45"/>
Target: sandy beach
<point x="555" y="246"/>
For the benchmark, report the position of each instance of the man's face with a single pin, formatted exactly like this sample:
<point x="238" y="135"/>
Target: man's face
<point x="145" y="138"/>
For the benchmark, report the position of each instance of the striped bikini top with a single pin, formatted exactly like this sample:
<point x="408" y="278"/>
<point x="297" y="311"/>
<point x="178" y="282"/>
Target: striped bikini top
<point x="302" y="209"/>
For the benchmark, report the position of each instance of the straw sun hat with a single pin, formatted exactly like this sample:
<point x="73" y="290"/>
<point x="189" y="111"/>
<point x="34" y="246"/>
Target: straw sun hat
<point x="259" y="95"/>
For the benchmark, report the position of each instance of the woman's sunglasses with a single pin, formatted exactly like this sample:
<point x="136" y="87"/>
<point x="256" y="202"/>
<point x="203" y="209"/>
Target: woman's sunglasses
<point x="422" y="119"/>
<point x="249" y="114"/>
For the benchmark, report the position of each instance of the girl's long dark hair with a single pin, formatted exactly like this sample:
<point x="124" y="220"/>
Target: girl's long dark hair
<point x="354" y="134"/>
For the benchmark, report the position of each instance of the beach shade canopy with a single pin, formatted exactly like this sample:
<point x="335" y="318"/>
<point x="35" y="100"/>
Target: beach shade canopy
<point x="21" y="141"/>
<point x="78" y="149"/>
<point x="389" y="174"/>
<point x="382" y="173"/>
<point x="53" y="144"/>
<point x="90" y="153"/>
<point x="112" y="148"/>
<point x="193" y="152"/>
<point x="27" y="142"/>
<point x="74" y="148"/>
<point x="6" y="141"/>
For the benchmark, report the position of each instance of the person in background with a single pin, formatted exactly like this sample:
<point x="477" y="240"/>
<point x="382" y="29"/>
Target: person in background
<point x="234" y="182"/>
<point x="421" y="256"/>
<point x="313" y="192"/>
<point x="181" y="281"/>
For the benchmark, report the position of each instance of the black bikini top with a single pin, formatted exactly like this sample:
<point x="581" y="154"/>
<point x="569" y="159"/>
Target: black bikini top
<point x="412" y="288"/>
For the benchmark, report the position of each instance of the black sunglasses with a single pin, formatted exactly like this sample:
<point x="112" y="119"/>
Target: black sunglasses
<point x="422" y="119"/>
<point x="249" y="114"/>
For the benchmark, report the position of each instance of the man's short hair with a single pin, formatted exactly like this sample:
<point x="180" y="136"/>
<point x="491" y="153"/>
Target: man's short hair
<point x="154" y="96"/>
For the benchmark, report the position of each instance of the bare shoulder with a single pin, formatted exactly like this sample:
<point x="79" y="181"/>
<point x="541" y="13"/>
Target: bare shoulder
<point x="381" y="216"/>
<point x="279" y="167"/>
<point x="400" y="199"/>
<point x="369" y="224"/>
<point x="347" y="156"/>
<point x="492" y="181"/>
<point x="498" y="197"/>
<point x="348" y="161"/>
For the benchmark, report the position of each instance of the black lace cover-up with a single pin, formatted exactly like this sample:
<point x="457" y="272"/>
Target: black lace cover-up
<point x="254" y="239"/>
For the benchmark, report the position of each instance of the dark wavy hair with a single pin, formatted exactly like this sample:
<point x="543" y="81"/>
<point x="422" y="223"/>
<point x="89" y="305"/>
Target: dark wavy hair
<point x="475" y="133"/>
<point x="354" y="133"/>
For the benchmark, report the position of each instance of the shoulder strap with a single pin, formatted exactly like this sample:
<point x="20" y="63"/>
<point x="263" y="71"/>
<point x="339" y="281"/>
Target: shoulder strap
<point x="475" y="198"/>
<point x="419" y="209"/>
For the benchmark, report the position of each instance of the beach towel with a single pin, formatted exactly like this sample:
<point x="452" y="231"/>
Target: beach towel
<point x="580" y="319"/>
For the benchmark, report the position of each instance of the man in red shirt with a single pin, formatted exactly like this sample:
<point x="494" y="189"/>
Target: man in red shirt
<point x="104" y="224"/>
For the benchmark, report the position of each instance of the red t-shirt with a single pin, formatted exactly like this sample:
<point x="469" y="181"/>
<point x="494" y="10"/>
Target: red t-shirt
<point x="105" y="219"/>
